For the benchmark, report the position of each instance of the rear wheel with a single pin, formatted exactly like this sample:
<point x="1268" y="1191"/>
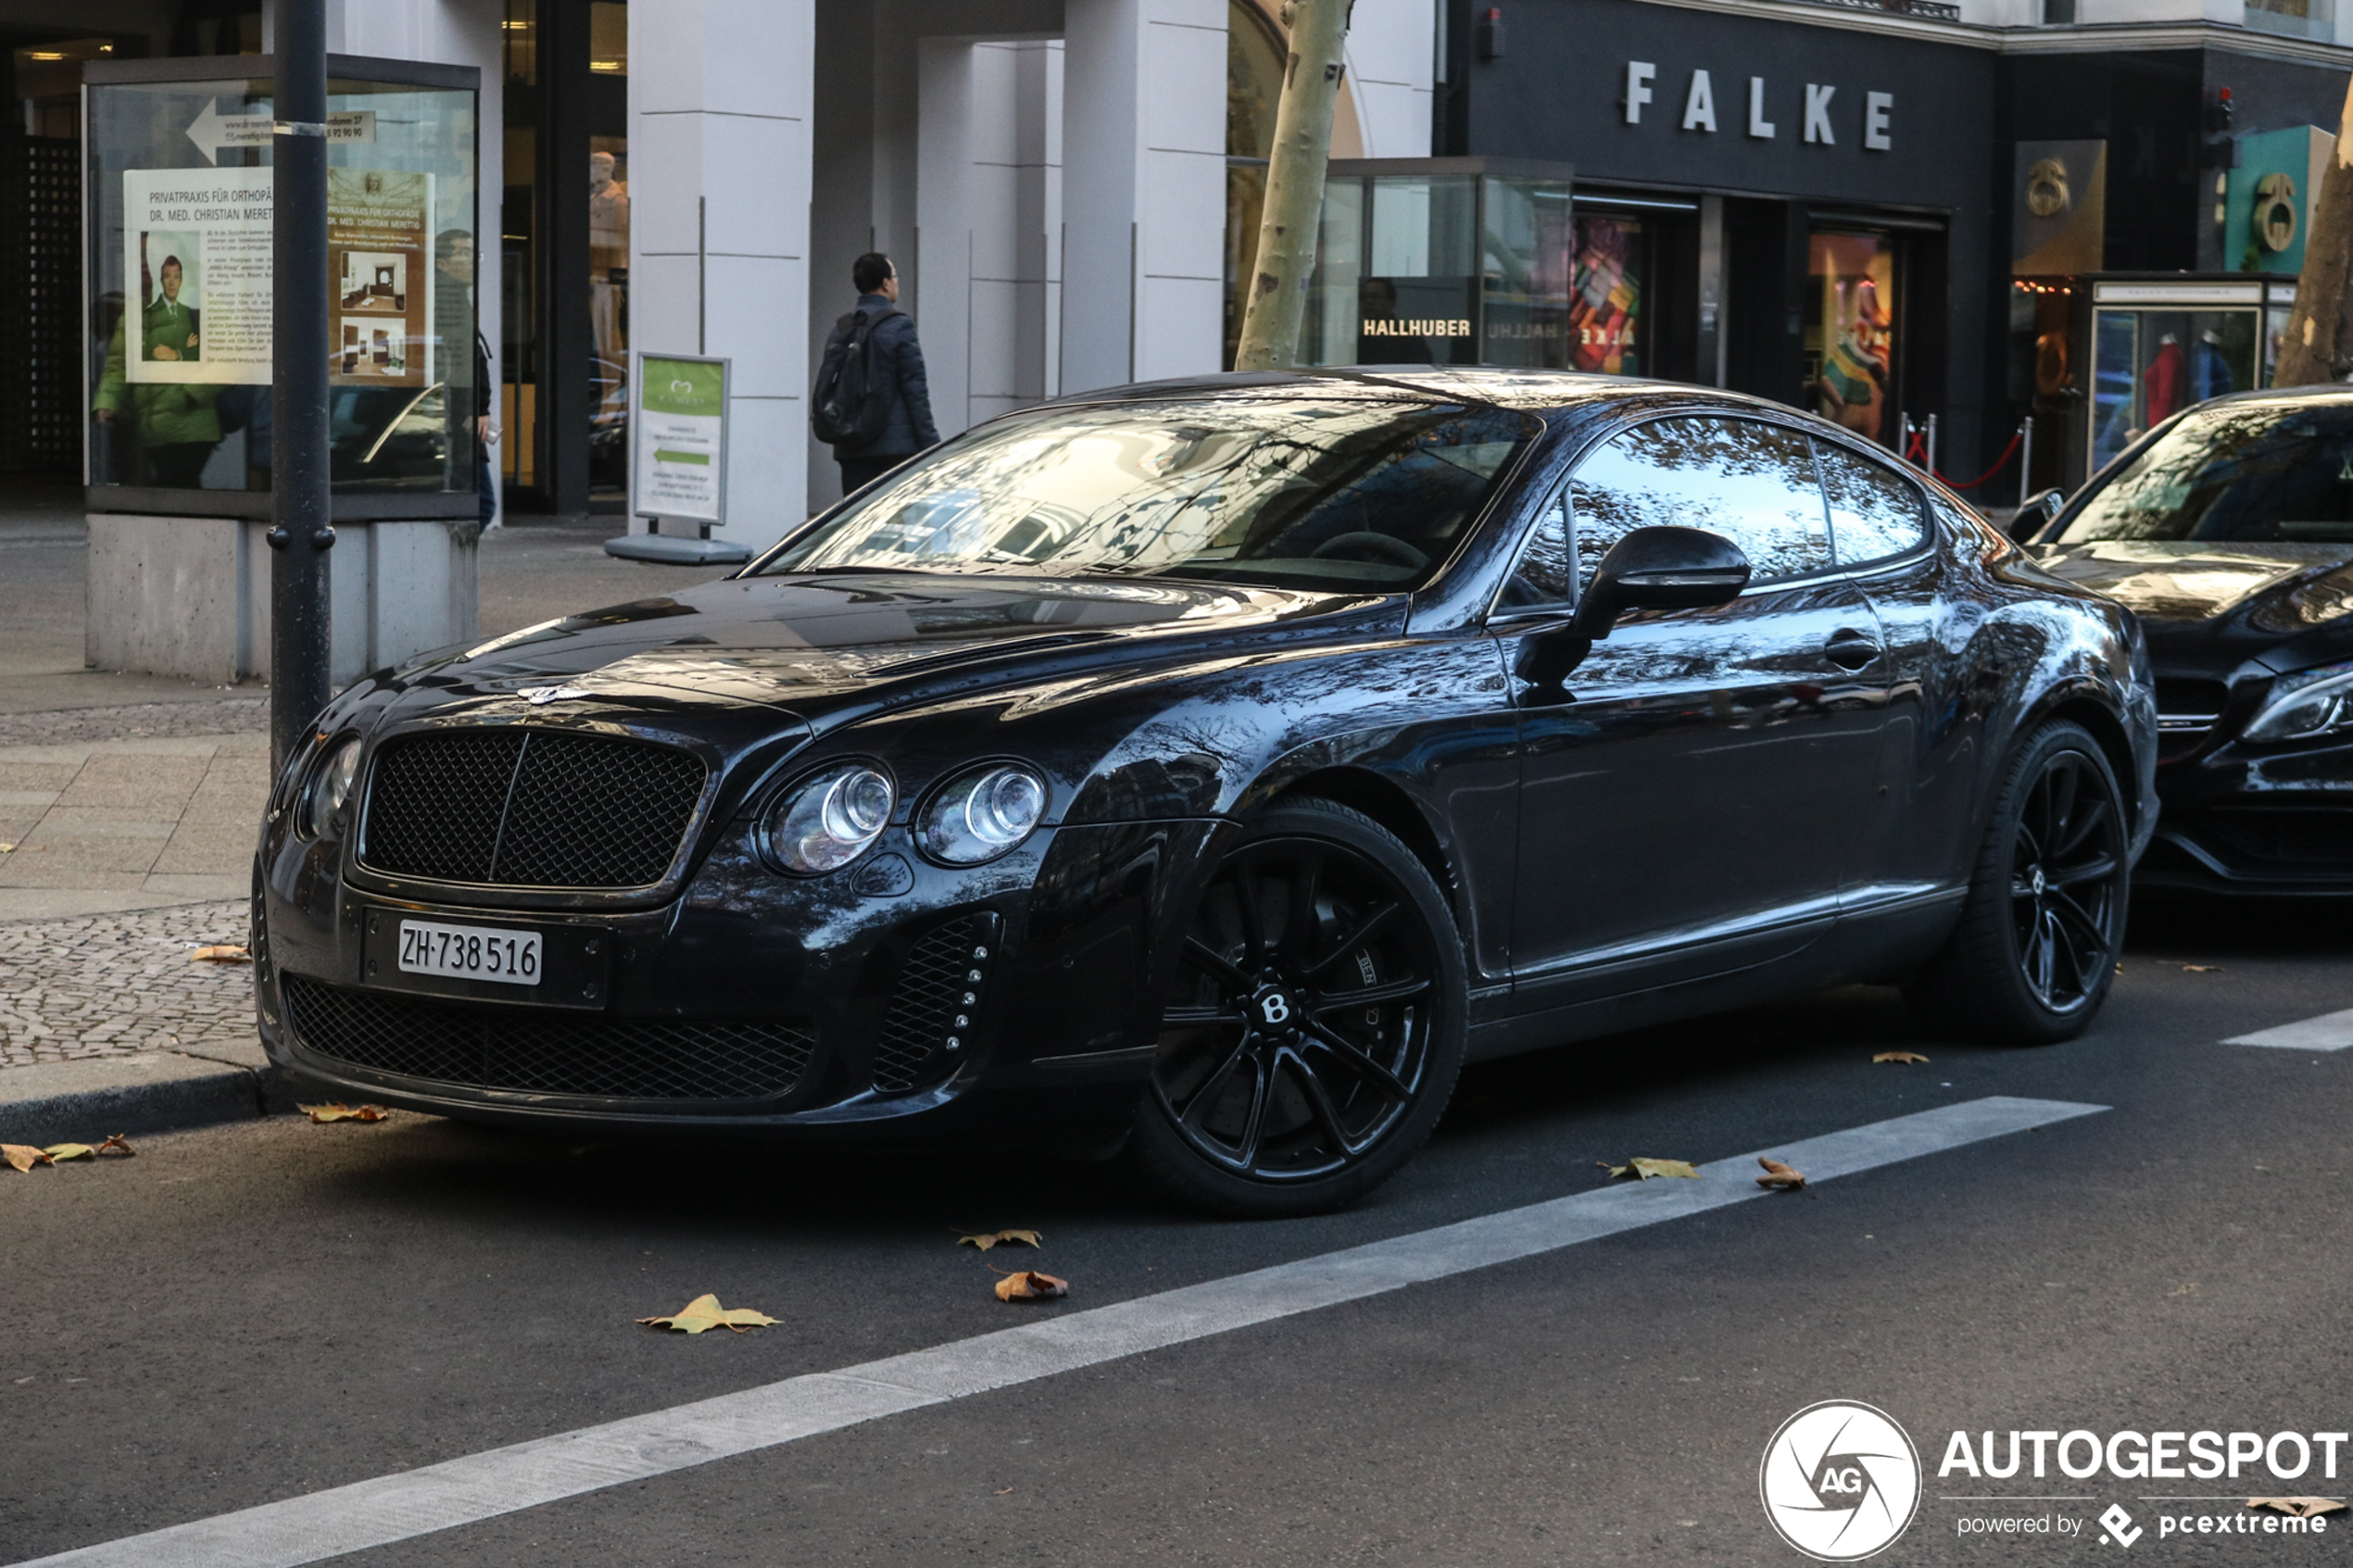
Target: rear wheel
<point x="1316" y="1028"/>
<point x="2034" y="953"/>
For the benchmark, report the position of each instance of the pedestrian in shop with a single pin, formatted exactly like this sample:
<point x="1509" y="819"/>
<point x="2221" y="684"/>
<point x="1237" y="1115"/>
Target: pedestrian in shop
<point x="453" y="259"/>
<point x="872" y="401"/>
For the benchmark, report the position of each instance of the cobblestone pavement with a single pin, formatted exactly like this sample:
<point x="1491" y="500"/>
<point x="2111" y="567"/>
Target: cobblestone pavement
<point x="141" y="721"/>
<point x="112" y="984"/>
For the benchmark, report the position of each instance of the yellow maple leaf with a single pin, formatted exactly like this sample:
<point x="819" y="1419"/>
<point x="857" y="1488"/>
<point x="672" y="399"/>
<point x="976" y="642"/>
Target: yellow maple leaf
<point x="221" y="952"/>
<point x="2301" y="1508"/>
<point x="1028" y="1285"/>
<point x="70" y="1151"/>
<point x="1899" y="1057"/>
<point x="704" y="1311"/>
<point x="1029" y="1238"/>
<point x="339" y="1111"/>
<point x="1642" y="1168"/>
<point x="23" y="1156"/>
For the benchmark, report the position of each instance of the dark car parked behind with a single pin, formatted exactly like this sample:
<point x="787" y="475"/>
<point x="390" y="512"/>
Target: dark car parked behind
<point x="1208" y="769"/>
<point x="2228" y="531"/>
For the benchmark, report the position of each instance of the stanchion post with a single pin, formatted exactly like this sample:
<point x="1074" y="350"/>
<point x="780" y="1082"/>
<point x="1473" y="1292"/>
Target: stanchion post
<point x="2025" y="458"/>
<point x="300" y="533"/>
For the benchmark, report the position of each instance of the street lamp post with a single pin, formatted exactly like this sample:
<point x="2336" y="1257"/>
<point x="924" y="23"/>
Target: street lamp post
<point x="301" y="533"/>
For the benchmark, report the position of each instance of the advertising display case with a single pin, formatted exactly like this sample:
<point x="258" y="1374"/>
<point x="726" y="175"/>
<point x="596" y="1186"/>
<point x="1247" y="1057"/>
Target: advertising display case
<point x="1446" y="261"/>
<point x="180" y="283"/>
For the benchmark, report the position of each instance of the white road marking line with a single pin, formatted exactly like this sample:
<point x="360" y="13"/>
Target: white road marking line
<point x="484" y="1486"/>
<point x="2330" y="1032"/>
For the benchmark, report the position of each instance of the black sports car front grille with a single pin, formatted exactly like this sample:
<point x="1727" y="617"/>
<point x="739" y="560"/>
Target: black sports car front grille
<point x="538" y="1053"/>
<point x="938" y="988"/>
<point x="529" y="808"/>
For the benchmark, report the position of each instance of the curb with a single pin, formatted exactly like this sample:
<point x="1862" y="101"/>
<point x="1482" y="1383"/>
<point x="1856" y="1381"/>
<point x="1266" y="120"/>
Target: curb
<point x="149" y="1092"/>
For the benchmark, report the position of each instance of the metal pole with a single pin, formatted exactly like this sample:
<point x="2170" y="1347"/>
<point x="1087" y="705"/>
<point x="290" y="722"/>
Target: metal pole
<point x="2025" y="458"/>
<point x="300" y="535"/>
<point x="1931" y="444"/>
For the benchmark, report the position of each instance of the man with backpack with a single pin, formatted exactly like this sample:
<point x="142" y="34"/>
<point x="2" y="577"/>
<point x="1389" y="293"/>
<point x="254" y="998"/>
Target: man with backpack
<point x="872" y="402"/>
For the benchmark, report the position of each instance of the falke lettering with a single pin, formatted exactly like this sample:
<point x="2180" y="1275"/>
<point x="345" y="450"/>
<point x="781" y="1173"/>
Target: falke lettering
<point x="1872" y="129"/>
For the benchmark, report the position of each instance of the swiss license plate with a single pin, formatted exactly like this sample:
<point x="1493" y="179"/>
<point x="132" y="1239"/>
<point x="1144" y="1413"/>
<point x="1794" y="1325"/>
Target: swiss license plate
<point x="469" y="952"/>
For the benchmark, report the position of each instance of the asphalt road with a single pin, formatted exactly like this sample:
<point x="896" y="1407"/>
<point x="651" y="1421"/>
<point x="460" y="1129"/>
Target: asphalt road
<point x="253" y="1312"/>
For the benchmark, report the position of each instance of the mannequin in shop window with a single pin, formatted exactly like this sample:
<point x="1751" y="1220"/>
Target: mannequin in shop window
<point x="1854" y="372"/>
<point x="2209" y="371"/>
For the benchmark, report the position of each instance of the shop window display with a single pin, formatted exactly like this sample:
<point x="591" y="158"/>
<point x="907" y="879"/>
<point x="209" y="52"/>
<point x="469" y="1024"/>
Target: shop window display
<point x="2150" y="365"/>
<point x="1851" y="333"/>
<point x="1605" y="295"/>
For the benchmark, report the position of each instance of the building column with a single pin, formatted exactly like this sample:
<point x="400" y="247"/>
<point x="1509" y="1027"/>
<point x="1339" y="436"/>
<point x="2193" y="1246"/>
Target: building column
<point x="1143" y="190"/>
<point x="720" y="96"/>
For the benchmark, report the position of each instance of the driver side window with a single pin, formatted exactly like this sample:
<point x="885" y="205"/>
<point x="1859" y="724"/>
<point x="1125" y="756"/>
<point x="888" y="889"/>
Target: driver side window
<point x="1749" y="481"/>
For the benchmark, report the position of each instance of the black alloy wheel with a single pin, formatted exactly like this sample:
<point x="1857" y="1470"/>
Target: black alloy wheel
<point x="2034" y="953"/>
<point x="1314" y="1028"/>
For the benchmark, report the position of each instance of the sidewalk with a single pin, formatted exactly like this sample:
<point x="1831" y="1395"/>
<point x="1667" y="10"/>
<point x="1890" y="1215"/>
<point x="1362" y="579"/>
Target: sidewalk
<point x="130" y="805"/>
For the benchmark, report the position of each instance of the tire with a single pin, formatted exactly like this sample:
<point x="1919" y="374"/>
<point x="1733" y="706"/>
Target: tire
<point x="1280" y="1087"/>
<point x="2033" y="955"/>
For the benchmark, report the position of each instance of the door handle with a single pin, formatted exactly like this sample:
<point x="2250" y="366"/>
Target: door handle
<point x="1850" y="649"/>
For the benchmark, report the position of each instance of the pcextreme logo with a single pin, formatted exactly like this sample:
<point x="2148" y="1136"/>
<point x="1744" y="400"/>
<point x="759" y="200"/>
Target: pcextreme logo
<point x="1840" y="1481"/>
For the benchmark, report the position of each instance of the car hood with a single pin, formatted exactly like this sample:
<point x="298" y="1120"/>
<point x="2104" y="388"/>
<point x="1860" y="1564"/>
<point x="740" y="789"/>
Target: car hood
<point x="800" y="643"/>
<point x="2187" y="589"/>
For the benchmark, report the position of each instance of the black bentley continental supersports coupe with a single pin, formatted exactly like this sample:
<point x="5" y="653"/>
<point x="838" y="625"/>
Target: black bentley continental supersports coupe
<point x="2228" y="531"/>
<point x="1206" y="769"/>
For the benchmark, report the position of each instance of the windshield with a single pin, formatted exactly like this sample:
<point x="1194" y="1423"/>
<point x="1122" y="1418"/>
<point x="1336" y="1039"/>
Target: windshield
<point x="1343" y="494"/>
<point x="2249" y="473"/>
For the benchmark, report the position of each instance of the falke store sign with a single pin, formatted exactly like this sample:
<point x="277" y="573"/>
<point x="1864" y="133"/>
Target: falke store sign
<point x="1825" y="116"/>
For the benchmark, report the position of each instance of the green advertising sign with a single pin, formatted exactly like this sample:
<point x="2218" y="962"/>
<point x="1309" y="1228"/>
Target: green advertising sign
<point x="693" y="387"/>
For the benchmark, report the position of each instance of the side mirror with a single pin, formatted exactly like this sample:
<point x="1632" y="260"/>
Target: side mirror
<point x="1660" y="568"/>
<point x="2036" y="513"/>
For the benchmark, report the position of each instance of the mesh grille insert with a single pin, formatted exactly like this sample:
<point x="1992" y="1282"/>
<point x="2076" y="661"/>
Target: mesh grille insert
<point x="530" y="808"/>
<point x="540" y="1053"/>
<point x="938" y="985"/>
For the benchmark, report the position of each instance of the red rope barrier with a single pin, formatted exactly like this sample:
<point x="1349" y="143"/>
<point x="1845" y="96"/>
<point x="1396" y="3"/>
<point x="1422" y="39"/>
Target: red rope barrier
<point x="1918" y="453"/>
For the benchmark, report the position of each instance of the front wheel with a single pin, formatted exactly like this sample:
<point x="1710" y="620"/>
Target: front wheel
<point x="1316" y="1027"/>
<point x="2034" y="953"/>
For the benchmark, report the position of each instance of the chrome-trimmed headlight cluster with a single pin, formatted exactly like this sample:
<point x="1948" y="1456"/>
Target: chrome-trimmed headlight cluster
<point x="327" y="795"/>
<point x="831" y="817"/>
<point x="2307" y="705"/>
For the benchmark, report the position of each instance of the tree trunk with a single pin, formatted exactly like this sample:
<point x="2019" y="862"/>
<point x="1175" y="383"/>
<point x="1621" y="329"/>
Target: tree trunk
<point x="1277" y="295"/>
<point x="2317" y="344"/>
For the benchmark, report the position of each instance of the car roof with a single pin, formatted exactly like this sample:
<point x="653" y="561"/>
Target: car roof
<point x="1525" y="391"/>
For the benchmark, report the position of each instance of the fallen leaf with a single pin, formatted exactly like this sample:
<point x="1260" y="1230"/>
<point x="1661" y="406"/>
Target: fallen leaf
<point x="119" y="1144"/>
<point x="70" y="1151"/>
<point x="221" y="952"/>
<point x="2203" y="968"/>
<point x="1899" y="1056"/>
<point x="704" y="1311"/>
<point x="6" y="848"/>
<point x="1004" y="1491"/>
<point x="2301" y="1508"/>
<point x="1028" y="1285"/>
<point x="23" y="1156"/>
<point x="1642" y="1168"/>
<point x="1780" y="1175"/>
<point x="342" y="1112"/>
<point x="1030" y="1238"/>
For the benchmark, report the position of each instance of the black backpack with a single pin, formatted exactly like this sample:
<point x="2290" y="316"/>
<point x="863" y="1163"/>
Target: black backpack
<point x="851" y="403"/>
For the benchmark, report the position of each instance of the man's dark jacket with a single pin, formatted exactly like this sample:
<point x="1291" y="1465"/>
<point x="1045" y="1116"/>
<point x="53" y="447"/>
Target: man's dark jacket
<point x="898" y="364"/>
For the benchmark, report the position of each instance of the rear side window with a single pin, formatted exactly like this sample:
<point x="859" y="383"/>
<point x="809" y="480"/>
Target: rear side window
<point x="1750" y="481"/>
<point x="1874" y="513"/>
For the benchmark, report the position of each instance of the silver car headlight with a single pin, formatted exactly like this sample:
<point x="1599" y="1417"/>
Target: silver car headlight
<point x="330" y="791"/>
<point x="2307" y="704"/>
<point x="981" y="814"/>
<point x="828" y="819"/>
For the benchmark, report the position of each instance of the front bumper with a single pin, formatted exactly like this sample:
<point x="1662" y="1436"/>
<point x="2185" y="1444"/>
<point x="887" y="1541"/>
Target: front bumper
<point x="2274" y="820"/>
<point x="832" y="1008"/>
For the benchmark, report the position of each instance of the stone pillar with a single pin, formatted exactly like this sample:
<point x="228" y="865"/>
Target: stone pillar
<point x="720" y="95"/>
<point x="1143" y="190"/>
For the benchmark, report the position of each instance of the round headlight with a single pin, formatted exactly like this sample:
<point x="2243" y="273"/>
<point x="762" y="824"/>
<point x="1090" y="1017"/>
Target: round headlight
<point x="981" y="814"/>
<point x="331" y="790"/>
<point x="829" y="819"/>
